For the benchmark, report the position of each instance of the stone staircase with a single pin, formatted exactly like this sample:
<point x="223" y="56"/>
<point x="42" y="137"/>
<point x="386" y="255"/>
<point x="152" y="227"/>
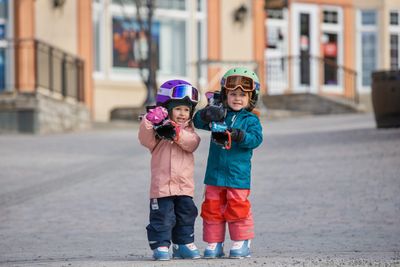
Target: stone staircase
<point x="312" y="104"/>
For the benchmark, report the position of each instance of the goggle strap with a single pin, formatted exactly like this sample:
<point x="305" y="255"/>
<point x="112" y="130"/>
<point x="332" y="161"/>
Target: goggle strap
<point x="163" y="91"/>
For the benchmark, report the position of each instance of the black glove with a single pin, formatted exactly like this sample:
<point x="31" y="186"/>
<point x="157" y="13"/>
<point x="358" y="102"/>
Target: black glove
<point x="237" y="135"/>
<point x="166" y="130"/>
<point x="212" y="113"/>
<point x="220" y="138"/>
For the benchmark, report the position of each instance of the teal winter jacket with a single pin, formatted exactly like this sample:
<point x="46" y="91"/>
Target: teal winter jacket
<point x="232" y="168"/>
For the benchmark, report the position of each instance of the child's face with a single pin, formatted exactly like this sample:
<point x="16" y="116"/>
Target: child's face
<point x="180" y="114"/>
<point x="237" y="99"/>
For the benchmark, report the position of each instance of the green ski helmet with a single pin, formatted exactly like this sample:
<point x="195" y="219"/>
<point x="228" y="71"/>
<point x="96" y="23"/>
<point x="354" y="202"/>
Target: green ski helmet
<point x="244" y="79"/>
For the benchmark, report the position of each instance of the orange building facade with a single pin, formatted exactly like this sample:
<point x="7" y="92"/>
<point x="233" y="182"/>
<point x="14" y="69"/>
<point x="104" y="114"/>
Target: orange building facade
<point x="83" y="56"/>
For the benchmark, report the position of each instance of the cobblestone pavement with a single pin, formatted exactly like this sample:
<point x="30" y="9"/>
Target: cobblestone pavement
<point x="325" y="192"/>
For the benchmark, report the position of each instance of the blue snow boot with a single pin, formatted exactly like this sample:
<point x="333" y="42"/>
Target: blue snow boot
<point x="187" y="251"/>
<point x="161" y="254"/>
<point x="214" y="250"/>
<point x="240" y="249"/>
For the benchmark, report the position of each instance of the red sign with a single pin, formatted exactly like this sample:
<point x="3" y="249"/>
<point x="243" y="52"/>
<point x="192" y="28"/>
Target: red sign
<point x="330" y="50"/>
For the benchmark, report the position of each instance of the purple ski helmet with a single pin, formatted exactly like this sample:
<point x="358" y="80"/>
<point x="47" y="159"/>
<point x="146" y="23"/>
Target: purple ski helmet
<point x="177" y="90"/>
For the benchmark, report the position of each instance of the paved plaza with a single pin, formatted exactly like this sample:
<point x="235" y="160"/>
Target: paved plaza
<point x="325" y="192"/>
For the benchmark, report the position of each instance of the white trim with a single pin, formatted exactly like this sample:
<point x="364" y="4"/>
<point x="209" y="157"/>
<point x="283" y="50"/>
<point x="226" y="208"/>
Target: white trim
<point x="338" y="30"/>
<point x="314" y="42"/>
<point x="124" y="76"/>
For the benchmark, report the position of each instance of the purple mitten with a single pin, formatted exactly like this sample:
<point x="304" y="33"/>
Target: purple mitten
<point x="157" y="115"/>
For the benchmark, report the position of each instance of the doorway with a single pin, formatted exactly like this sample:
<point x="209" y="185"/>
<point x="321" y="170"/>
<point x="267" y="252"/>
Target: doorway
<point x="305" y="44"/>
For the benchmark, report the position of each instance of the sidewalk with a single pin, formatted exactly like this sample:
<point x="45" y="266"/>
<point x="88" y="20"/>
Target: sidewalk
<point x="325" y="192"/>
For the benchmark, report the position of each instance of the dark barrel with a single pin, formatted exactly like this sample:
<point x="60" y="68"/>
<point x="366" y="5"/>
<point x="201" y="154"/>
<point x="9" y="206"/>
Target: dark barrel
<point x="386" y="98"/>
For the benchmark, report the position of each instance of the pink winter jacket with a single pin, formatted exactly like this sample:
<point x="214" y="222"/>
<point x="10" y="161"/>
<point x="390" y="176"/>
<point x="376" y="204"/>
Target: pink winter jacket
<point x="172" y="162"/>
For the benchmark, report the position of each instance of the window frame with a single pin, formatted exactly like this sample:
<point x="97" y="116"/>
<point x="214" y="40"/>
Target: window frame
<point x="337" y="29"/>
<point x="100" y="7"/>
<point x="394" y="30"/>
<point x="110" y="10"/>
<point x="365" y="29"/>
<point x="276" y="53"/>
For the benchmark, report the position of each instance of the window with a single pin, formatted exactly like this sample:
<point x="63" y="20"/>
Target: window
<point x="394" y="18"/>
<point x="200" y="6"/>
<point x="275" y="29"/>
<point x="394" y="51"/>
<point x="368" y="18"/>
<point x="97" y="19"/>
<point x="171" y="4"/>
<point x="394" y="32"/>
<point x="368" y="42"/>
<point x="368" y="56"/>
<point x="3" y="44"/>
<point x="129" y="43"/>
<point x="330" y="17"/>
<point x="331" y="42"/>
<point x="275" y="13"/>
<point x="330" y="47"/>
<point x="3" y="9"/>
<point x="173" y="52"/>
<point x="128" y="46"/>
<point x="305" y="34"/>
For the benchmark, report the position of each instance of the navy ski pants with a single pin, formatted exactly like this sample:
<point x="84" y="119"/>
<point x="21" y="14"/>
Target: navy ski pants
<point x="171" y="218"/>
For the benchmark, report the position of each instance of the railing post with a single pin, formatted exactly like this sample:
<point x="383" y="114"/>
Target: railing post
<point x="63" y="76"/>
<point x="36" y="64"/>
<point x="82" y="81"/>
<point x="356" y="97"/>
<point x="51" y="70"/>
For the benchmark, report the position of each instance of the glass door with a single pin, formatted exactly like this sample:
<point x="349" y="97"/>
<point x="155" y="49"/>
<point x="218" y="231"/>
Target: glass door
<point x="304" y="48"/>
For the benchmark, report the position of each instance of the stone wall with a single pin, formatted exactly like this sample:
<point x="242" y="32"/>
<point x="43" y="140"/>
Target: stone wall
<point x="41" y="114"/>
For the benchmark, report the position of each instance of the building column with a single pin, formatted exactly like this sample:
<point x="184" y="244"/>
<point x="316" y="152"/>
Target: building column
<point x="85" y="48"/>
<point x="259" y="40"/>
<point x="349" y="53"/>
<point x="25" y="45"/>
<point x="214" y="34"/>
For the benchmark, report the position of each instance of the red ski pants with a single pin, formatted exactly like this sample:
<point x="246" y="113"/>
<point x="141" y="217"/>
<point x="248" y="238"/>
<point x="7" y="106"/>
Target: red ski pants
<point x="226" y="205"/>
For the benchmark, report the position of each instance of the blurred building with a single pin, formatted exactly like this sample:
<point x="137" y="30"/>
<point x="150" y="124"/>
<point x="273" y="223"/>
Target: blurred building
<point x="195" y="40"/>
<point x="330" y="47"/>
<point x="45" y="65"/>
<point x="65" y="63"/>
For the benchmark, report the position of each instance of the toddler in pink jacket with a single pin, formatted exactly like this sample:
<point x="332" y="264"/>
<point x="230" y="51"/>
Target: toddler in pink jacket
<point x="167" y="131"/>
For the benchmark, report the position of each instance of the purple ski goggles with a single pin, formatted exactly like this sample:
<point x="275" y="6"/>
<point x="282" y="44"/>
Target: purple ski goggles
<point x="180" y="92"/>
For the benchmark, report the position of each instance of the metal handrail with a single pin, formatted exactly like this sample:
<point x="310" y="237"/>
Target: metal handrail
<point x="280" y="68"/>
<point x="54" y="69"/>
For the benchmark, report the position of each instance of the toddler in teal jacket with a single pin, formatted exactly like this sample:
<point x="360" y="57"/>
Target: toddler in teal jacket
<point x="228" y="174"/>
